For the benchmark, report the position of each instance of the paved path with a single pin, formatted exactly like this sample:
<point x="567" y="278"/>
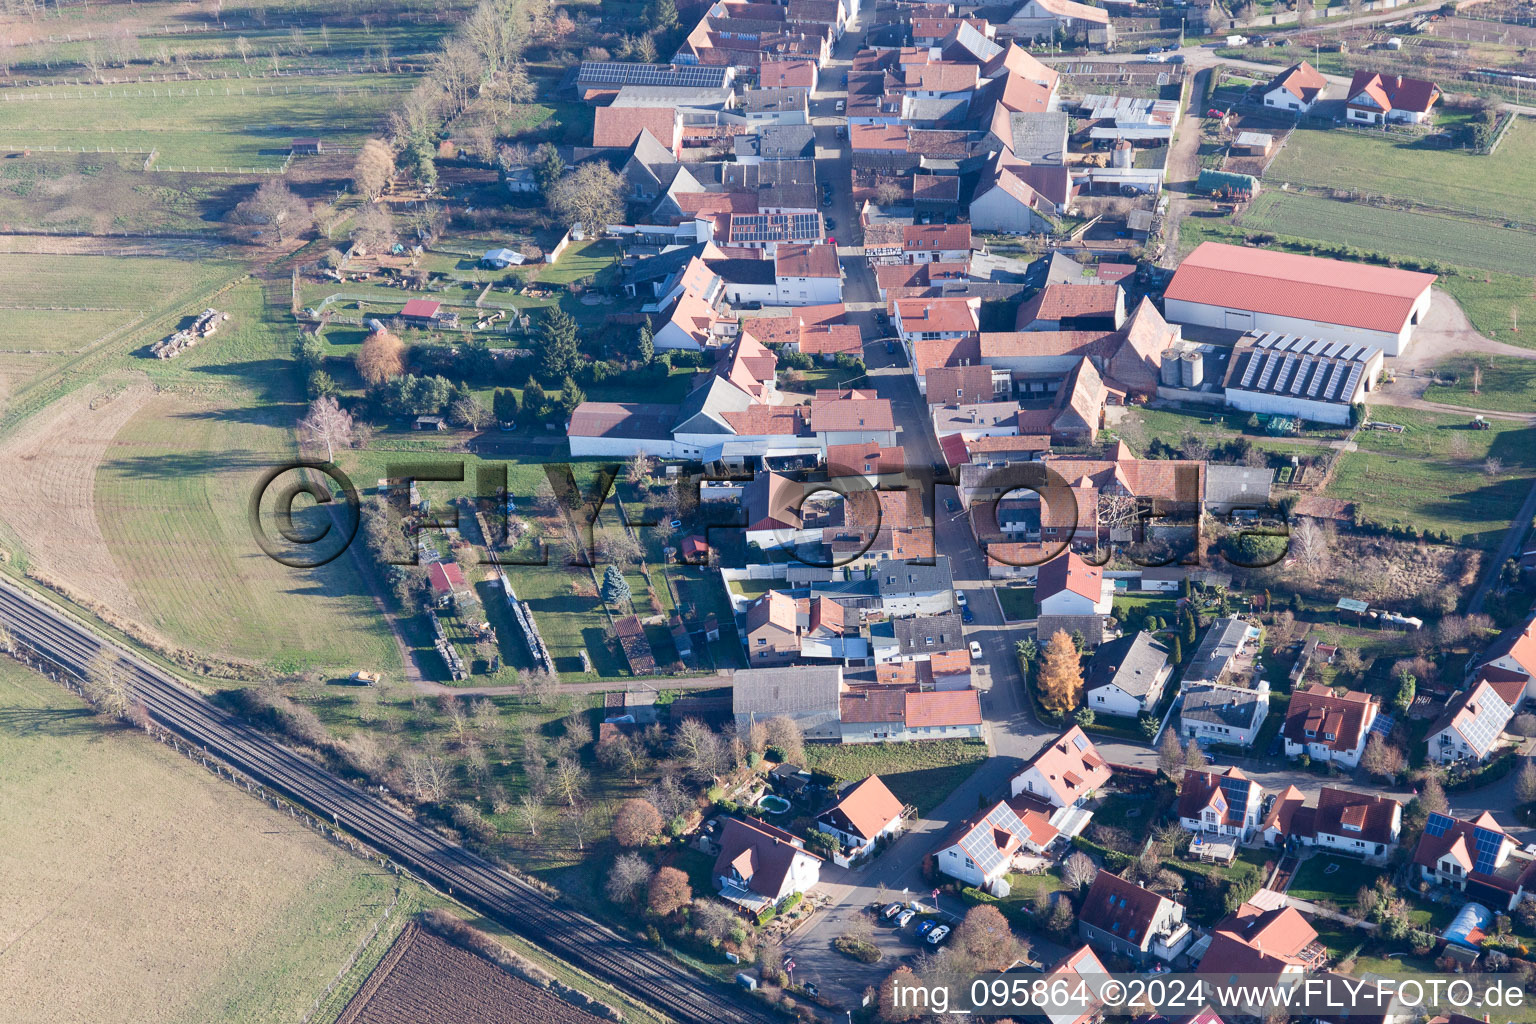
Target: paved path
<point x="1508" y="549"/>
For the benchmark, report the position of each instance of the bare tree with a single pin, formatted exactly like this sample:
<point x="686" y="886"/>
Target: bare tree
<point x="1118" y="511"/>
<point x="328" y="424"/>
<point x="531" y="810"/>
<point x="570" y="779"/>
<point x="373" y="229"/>
<point x="106" y="685"/>
<point x="1477" y="378"/>
<point x="629" y="874"/>
<point x="1078" y="869"/>
<point x="1493" y="465"/>
<point x="592" y="195"/>
<point x="1309" y="546"/>
<point x="638" y="469"/>
<point x="785" y="733"/>
<point x="274" y="206"/>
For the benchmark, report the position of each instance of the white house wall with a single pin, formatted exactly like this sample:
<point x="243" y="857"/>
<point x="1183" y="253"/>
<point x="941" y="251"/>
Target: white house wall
<point x="1182" y="311"/>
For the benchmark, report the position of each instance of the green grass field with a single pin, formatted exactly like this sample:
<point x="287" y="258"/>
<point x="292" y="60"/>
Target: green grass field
<point x="922" y="773"/>
<point x="234" y="123"/>
<point x="1434" y="474"/>
<point x="1018" y="603"/>
<point x="1332" y="878"/>
<point x="1497" y="187"/>
<point x="171" y="499"/>
<point x="1509" y="384"/>
<point x="1423" y="236"/>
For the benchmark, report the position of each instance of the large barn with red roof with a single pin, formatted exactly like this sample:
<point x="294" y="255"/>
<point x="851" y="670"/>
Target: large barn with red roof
<point x="1241" y="288"/>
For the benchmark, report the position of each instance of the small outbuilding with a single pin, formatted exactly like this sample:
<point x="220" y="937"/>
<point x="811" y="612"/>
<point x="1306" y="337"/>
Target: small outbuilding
<point x="501" y="259"/>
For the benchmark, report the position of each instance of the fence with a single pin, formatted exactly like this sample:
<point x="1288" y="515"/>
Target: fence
<point x="357" y="953"/>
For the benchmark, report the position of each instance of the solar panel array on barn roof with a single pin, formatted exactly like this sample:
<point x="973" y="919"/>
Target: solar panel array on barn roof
<point x="700" y="76"/>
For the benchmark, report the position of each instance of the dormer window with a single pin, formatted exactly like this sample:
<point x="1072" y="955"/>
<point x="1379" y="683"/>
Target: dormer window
<point x="1311" y="734"/>
<point x="1351" y="827"/>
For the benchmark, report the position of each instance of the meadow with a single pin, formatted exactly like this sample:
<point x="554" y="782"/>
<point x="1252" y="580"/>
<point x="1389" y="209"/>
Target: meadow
<point x="1498" y="187"/>
<point x="1508" y="385"/>
<point x="156" y="892"/>
<point x="1435" y="475"/>
<point x="230" y="123"/>
<point x="171" y="499"/>
<point x="1417" y="235"/>
<point x="79" y="314"/>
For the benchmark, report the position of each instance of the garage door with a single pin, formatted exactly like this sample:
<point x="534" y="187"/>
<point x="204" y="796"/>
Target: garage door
<point x="1239" y="321"/>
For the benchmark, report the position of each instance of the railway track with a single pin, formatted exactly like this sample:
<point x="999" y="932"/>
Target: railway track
<point x="628" y="964"/>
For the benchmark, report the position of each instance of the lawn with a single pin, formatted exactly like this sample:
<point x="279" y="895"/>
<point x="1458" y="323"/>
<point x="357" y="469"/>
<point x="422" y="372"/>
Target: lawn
<point x="1417" y="235"/>
<point x="1508" y="385"/>
<point x="1435" y="475"/>
<point x="922" y="773"/>
<point x="170" y="497"/>
<point x="228" y="123"/>
<point x="157" y="892"/>
<point x="1018" y="603"/>
<point x="119" y="303"/>
<point x="1500" y="187"/>
<point x="1336" y="879"/>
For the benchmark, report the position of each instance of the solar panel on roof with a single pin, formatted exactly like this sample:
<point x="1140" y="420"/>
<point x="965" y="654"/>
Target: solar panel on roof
<point x="1487" y="843"/>
<point x="1351" y="352"/>
<point x="1348" y="390"/>
<point x="1317" y="380"/>
<point x="1252" y="368"/>
<point x="1336" y="377"/>
<point x="1301" y="375"/>
<point x="1437" y="825"/>
<point x="1271" y="364"/>
<point x="1266" y="340"/>
<point x="1317" y="346"/>
<point x="1080" y="743"/>
<point x="1333" y="349"/>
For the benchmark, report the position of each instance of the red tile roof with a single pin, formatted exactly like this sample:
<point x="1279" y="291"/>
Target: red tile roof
<point x="1255" y="941"/>
<point x="1394" y="92"/>
<point x="423" y="308"/>
<point x="865" y="809"/>
<point x="619" y="127"/>
<point x="1067" y="571"/>
<point x="446" y="577"/>
<point x="806" y="261"/>
<point x="1064" y="301"/>
<point x="1310" y="287"/>
<point x="1300" y="80"/>
<point x="1072" y="766"/>
<point x="851" y="413"/>
<point x="945" y="315"/>
<point x="1370" y="816"/>
<point x="930" y="237"/>
<point x="857" y="459"/>
<point x="943" y="708"/>
<point x="1315" y="709"/>
<point x="787" y="73"/>
<point x="928" y="353"/>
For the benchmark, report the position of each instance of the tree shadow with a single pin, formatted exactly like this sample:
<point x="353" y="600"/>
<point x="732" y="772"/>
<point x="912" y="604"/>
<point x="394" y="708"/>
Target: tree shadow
<point x="52" y="721"/>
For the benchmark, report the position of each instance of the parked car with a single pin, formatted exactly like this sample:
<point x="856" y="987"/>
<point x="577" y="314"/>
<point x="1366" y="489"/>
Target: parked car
<point x="938" y="935"/>
<point x="1154" y="49"/>
<point x="826" y="199"/>
<point x="949" y="503"/>
<point x="926" y="926"/>
<point x="890" y="346"/>
<point x="966" y="616"/>
<point x="975" y="651"/>
<point x="904" y="917"/>
<point x="841" y="106"/>
<point x="1177" y="58"/>
<point x="960" y="598"/>
<point x="831" y="240"/>
<point x="831" y="223"/>
<point x="842" y="131"/>
<point x="891" y="911"/>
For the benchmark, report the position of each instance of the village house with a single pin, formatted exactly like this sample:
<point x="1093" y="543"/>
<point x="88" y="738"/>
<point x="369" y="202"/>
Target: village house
<point x="904" y="714"/>
<point x="1512" y="658"/>
<point x="913" y="587"/>
<point x="864" y="813"/>
<point x="1217" y="713"/>
<point x="759" y="865"/>
<point x="1328" y="727"/>
<point x="982" y="850"/>
<point x="1274" y="942"/>
<point x="1044" y="19"/>
<point x="1375" y="98"/>
<point x="1066" y="773"/>
<point x="1228" y="645"/>
<point x="1067" y="585"/>
<point x="1477" y="856"/>
<point x="1121" y="918"/>
<point x="1360" y="824"/>
<point x="1472" y="722"/>
<point x="1295" y="89"/>
<point x="1126" y="676"/>
<point x="1225" y="802"/>
<point x="805" y="694"/>
<point x="1066" y="307"/>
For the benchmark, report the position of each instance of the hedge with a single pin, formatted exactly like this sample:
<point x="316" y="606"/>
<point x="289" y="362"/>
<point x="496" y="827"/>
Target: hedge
<point x="1114" y="860"/>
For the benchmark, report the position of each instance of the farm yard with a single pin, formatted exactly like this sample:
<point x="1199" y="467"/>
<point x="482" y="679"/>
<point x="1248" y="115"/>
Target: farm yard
<point x="236" y="124"/>
<point x="1500" y="188"/>
<point x="185" y="900"/>
<point x="427" y="979"/>
<point x="1439" y="474"/>
<point x="1414" y="234"/>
